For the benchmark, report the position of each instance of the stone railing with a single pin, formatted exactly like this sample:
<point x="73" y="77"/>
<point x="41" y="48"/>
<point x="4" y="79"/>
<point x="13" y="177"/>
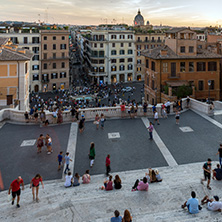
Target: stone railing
<point x="109" y="112"/>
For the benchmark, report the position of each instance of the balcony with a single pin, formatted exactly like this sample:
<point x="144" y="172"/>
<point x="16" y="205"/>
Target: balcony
<point x="153" y="41"/>
<point x="146" y="40"/>
<point x="45" y="80"/>
<point x="177" y="76"/>
<point x="138" y="40"/>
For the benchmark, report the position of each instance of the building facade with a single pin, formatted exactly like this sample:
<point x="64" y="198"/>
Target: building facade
<point x="54" y="59"/>
<point x="180" y="62"/>
<point x="14" y="75"/>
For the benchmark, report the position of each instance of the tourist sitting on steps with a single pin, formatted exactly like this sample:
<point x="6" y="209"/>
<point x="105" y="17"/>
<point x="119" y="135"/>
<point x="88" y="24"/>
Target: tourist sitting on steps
<point x="212" y="204"/>
<point x="141" y="185"/>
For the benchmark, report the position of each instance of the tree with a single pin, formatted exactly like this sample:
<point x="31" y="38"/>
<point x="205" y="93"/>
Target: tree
<point x="183" y="91"/>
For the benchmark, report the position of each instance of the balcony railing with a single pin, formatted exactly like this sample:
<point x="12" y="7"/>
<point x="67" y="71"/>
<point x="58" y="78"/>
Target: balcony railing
<point x="177" y="76"/>
<point x="45" y="80"/>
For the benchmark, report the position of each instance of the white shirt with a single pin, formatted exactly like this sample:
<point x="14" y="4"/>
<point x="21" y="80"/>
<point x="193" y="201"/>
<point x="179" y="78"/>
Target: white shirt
<point x="214" y="206"/>
<point x="68" y="181"/>
<point x="156" y="115"/>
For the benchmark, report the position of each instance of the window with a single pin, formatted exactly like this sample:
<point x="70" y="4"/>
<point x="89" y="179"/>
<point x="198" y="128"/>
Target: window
<point x="45" y="77"/>
<point x="200" y="85"/>
<point x="138" y="53"/>
<point x="101" y="45"/>
<point x="26" y="67"/>
<point x="138" y="61"/>
<point x="113" y="44"/>
<point x="212" y="84"/>
<point x="122" y="52"/>
<point x="147" y="80"/>
<point x="54" y="65"/>
<point x="130" y="37"/>
<point x="130" y="44"/>
<point x="130" y="59"/>
<point x="101" y="37"/>
<point x="182" y="49"/>
<point x="191" y="49"/>
<point x="63" y="65"/>
<point x="173" y="69"/>
<point x="113" y="36"/>
<point x="45" y="37"/>
<point x="94" y="61"/>
<point x="94" y="54"/>
<point x="35" y="58"/>
<point x="153" y="40"/>
<point x="101" y="61"/>
<point x="158" y="40"/>
<point x="153" y="66"/>
<point x="122" y="36"/>
<point x="62" y="74"/>
<point x="182" y="67"/>
<point x="212" y="66"/>
<point x="199" y="46"/>
<point x="95" y="45"/>
<point x="63" y="55"/>
<point x="130" y="51"/>
<point x="146" y="47"/>
<point x="113" y="52"/>
<point x="113" y="68"/>
<point x="146" y="39"/>
<point x="101" y="53"/>
<point x="54" y="46"/>
<point x="122" y="60"/>
<point x="138" y="39"/>
<point x="138" y="47"/>
<point x="101" y="69"/>
<point x="191" y="66"/>
<point x="121" y="68"/>
<point x="45" y="46"/>
<point x="153" y="85"/>
<point x="35" y="77"/>
<point x="63" y="37"/>
<point x="138" y="69"/>
<point x="54" y="55"/>
<point x="35" y="49"/>
<point x="54" y="75"/>
<point x="45" y="56"/>
<point x="130" y="67"/>
<point x="113" y="60"/>
<point x="95" y="69"/>
<point x="25" y="40"/>
<point x="62" y="46"/>
<point x="121" y="44"/>
<point x="35" y="40"/>
<point x="54" y="38"/>
<point x="147" y="63"/>
<point x="165" y="67"/>
<point x="201" y="66"/>
<point x="45" y="66"/>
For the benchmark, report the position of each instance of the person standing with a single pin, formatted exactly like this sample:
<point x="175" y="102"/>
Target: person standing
<point x="108" y="169"/>
<point x="60" y="118"/>
<point x="123" y="110"/>
<point x="150" y="128"/>
<point x="102" y="120"/>
<point x="207" y="173"/>
<point x="220" y="155"/>
<point x="60" y="159"/>
<point x="15" y="188"/>
<point x="92" y="154"/>
<point x="188" y="101"/>
<point x="67" y="160"/>
<point x="177" y="117"/>
<point x="40" y="143"/>
<point x="145" y="108"/>
<point x="35" y="186"/>
<point x="156" y="117"/>
<point x="81" y="124"/>
<point x="97" y="119"/>
<point x="48" y="143"/>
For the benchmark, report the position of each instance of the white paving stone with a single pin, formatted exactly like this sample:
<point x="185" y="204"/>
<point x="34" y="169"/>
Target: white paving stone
<point x="186" y="129"/>
<point x="114" y="135"/>
<point x="28" y="143"/>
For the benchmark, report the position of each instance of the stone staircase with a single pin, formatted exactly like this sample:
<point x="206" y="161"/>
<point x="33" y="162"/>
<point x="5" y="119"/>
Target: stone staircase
<point x="88" y="203"/>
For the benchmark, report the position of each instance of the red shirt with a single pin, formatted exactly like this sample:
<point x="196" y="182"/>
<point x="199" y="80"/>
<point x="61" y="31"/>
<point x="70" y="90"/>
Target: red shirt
<point x="122" y="107"/>
<point x="16" y="185"/>
<point x="35" y="182"/>
<point x="107" y="161"/>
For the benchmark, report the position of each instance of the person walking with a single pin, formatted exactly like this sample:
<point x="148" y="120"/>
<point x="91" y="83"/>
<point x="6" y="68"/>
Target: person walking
<point x="92" y="154"/>
<point x="81" y="124"/>
<point x="60" y="159"/>
<point x="207" y="173"/>
<point x="177" y="117"/>
<point x="108" y="169"/>
<point x="35" y="186"/>
<point x="67" y="160"/>
<point x="220" y="155"/>
<point x="150" y="128"/>
<point x="48" y="143"/>
<point x="15" y="188"/>
<point x="156" y="118"/>
<point x="97" y="119"/>
<point x="102" y="120"/>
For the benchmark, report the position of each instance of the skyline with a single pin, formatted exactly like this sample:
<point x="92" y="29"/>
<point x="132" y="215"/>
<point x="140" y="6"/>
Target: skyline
<point x="88" y="12"/>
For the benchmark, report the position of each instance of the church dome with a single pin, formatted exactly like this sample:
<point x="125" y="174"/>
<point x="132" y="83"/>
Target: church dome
<point x="138" y="20"/>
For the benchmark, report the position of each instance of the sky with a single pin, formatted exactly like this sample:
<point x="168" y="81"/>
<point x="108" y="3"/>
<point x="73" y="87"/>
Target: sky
<point x="94" y="12"/>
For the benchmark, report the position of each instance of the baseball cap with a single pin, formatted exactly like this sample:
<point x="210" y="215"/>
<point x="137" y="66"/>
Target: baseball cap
<point x="216" y="198"/>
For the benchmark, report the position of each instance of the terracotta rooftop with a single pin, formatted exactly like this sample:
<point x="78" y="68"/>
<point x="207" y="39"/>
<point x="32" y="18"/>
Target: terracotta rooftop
<point x="3" y="41"/>
<point x="201" y="54"/>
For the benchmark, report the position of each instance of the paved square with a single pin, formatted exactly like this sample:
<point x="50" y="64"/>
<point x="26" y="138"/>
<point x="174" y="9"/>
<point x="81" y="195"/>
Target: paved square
<point x="186" y="129"/>
<point x="28" y="143"/>
<point x="113" y="135"/>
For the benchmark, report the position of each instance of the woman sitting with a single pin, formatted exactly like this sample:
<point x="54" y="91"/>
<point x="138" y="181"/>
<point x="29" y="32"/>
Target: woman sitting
<point x="141" y="185"/>
<point x="76" y="181"/>
<point x="158" y="177"/>
<point x="86" y="177"/>
<point x="108" y="184"/>
<point x="117" y="182"/>
<point x="127" y="217"/>
<point x="153" y="177"/>
<point x="69" y="180"/>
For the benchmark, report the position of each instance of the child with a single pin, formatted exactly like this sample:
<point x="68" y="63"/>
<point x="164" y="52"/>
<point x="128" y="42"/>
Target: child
<point x="60" y="158"/>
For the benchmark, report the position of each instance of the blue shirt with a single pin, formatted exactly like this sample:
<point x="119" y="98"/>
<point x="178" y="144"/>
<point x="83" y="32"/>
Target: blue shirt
<point x="116" y="219"/>
<point x="193" y="205"/>
<point x="60" y="158"/>
<point x="67" y="158"/>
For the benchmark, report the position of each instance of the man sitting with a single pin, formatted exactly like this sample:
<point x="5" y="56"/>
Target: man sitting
<point x="217" y="173"/>
<point x="211" y="204"/>
<point x="192" y="204"/>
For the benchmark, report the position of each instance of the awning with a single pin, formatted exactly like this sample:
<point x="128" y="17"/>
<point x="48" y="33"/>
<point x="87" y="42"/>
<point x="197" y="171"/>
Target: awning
<point x="177" y="83"/>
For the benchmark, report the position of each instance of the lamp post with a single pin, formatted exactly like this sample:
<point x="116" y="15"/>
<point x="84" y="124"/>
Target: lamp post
<point x="156" y="96"/>
<point x="209" y="84"/>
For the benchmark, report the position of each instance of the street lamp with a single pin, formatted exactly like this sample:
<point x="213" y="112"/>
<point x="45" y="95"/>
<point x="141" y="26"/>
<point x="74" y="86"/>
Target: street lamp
<point x="209" y="84"/>
<point x="156" y="95"/>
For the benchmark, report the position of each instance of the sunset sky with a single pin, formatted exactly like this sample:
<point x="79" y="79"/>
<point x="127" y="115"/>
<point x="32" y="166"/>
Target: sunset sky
<point x="94" y="12"/>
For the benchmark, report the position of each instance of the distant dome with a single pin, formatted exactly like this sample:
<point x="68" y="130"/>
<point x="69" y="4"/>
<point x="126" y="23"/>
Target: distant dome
<point x="138" y="20"/>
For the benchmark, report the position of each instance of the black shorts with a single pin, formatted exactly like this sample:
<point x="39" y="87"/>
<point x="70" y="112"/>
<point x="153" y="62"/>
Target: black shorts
<point x="16" y="193"/>
<point x="60" y="163"/>
<point x="177" y="117"/>
<point x="207" y="176"/>
<point x="35" y="186"/>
